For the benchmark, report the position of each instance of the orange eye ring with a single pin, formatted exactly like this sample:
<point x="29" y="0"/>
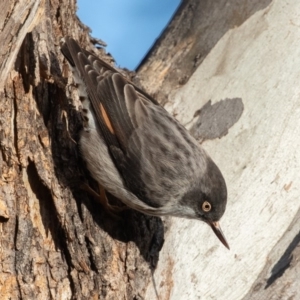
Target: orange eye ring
<point x="206" y="206"/>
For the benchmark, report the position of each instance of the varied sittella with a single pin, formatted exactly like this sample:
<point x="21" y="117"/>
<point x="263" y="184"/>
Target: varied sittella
<point x="140" y="153"/>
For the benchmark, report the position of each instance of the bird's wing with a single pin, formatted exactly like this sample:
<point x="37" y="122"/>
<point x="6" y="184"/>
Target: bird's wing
<point x="130" y="121"/>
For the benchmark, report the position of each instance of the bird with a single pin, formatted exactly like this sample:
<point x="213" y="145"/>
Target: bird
<point x="137" y="151"/>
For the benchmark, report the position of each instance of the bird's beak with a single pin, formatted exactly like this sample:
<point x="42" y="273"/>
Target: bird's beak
<point x="215" y="226"/>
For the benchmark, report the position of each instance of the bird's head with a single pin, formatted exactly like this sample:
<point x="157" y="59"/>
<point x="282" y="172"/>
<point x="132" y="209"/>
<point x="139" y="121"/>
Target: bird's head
<point x="207" y="199"/>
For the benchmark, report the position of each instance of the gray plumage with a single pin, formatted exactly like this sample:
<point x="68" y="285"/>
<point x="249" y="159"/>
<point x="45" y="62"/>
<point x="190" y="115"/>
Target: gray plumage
<point x="140" y="153"/>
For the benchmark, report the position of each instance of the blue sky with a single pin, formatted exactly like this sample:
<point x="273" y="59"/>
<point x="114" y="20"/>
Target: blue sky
<point x="129" y="27"/>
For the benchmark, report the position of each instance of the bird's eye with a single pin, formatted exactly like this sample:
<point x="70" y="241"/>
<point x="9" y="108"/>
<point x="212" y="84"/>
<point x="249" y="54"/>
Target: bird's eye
<point x="206" y="206"/>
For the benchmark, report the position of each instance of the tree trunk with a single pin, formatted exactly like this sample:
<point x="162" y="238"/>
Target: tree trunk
<point x="56" y="241"/>
<point x="230" y="69"/>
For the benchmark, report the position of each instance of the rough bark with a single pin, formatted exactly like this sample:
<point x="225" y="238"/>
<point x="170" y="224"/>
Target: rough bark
<point x="56" y="241"/>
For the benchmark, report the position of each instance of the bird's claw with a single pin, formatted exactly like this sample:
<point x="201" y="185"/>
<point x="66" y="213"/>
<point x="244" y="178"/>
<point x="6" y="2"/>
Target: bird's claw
<point x="101" y="197"/>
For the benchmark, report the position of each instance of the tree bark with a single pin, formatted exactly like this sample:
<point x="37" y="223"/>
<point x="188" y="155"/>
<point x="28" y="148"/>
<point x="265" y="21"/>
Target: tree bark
<point x="57" y="242"/>
<point x="230" y="69"/>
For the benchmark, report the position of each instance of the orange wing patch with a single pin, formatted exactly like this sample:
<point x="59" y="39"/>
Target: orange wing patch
<point x="106" y="119"/>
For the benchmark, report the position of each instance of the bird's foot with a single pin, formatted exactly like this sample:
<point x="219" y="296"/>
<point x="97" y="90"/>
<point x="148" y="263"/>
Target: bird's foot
<point x="102" y="199"/>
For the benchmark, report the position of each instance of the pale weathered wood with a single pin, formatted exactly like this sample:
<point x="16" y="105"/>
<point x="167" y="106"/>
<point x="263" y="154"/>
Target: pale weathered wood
<point x="17" y="18"/>
<point x="194" y="30"/>
<point x="258" y="61"/>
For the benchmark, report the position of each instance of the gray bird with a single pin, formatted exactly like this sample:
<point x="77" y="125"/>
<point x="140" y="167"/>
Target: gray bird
<point x="140" y="153"/>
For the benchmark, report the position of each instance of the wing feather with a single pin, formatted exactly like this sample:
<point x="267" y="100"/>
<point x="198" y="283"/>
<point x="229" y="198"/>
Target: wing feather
<point x="121" y="109"/>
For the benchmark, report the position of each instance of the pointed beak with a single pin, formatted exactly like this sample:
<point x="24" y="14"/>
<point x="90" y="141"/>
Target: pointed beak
<point x="215" y="226"/>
